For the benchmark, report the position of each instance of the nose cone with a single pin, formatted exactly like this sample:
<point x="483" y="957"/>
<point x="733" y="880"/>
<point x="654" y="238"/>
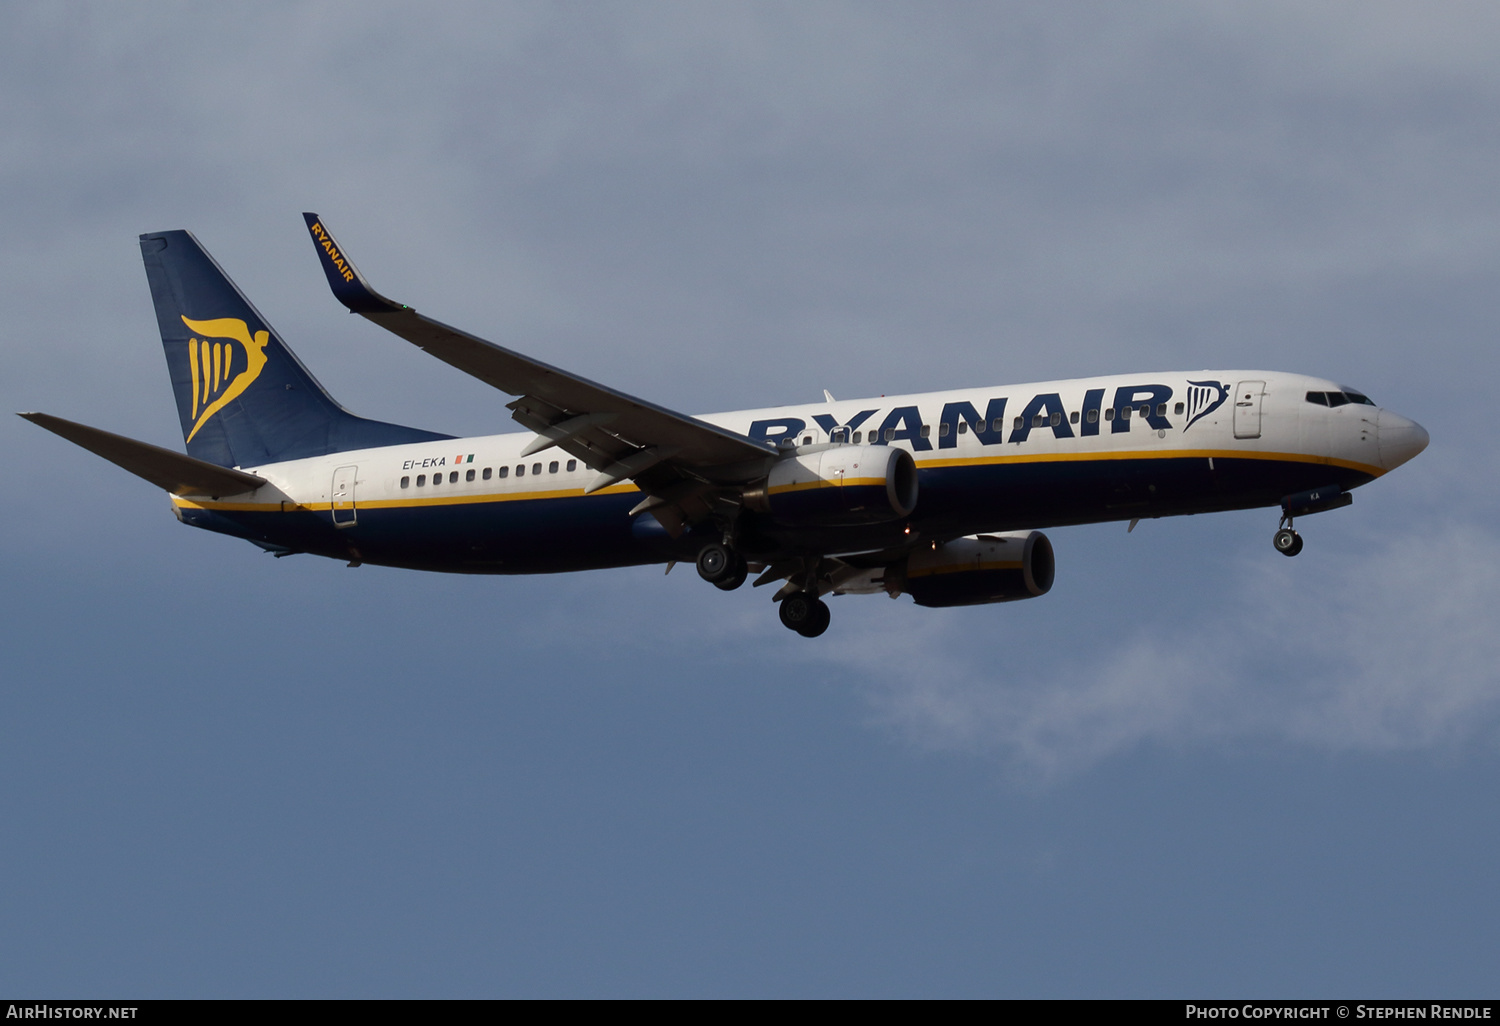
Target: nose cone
<point x="1400" y="439"/>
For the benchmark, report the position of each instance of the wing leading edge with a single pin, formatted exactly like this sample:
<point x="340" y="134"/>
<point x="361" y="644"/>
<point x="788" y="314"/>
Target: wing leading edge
<point x="682" y="463"/>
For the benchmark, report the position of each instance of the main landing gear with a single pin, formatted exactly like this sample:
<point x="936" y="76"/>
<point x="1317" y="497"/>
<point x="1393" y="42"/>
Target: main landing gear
<point x="805" y="613"/>
<point x="722" y="567"/>
<point x="1287" y="541"/>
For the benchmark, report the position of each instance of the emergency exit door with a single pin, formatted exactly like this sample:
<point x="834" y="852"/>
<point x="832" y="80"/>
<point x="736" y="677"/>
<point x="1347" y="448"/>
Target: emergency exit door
<point x="343" y="497"/>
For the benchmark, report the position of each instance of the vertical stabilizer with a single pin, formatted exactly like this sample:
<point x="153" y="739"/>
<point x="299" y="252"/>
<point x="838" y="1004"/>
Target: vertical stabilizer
<point x="243" y="398"/>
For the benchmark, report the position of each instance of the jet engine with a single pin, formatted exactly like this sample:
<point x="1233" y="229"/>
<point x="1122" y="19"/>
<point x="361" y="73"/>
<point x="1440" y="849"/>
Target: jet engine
<point x="840" y="486"/>
<point x="984" y="568"/>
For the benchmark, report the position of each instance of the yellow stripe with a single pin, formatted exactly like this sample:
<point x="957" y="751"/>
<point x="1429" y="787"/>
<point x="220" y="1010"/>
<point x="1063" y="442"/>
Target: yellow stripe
<point x="1154" y="454"/>
<point x="461" y="500"/>
<point x="445" y="500"/>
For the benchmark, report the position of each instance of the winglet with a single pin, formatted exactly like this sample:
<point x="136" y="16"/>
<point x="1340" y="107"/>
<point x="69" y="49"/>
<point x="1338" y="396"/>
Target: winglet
<point x="349" y="286"/>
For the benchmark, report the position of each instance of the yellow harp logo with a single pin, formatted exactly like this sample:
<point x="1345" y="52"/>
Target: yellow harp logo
<point x="212" y="364"/>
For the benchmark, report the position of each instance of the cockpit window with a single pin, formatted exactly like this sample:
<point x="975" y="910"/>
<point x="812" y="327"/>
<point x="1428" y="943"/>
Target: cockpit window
<point x="1338" y="398"/>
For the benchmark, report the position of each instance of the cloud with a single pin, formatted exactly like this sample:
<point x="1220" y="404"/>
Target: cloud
<point x="1392" y="649"/>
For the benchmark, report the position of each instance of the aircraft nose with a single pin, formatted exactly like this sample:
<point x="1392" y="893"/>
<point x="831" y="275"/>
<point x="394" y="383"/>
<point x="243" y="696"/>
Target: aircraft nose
<point x="1400" y="439"/>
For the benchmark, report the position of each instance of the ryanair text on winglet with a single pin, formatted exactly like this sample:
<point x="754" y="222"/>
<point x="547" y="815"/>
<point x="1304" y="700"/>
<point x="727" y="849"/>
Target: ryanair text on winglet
<point x="332" y="250"/>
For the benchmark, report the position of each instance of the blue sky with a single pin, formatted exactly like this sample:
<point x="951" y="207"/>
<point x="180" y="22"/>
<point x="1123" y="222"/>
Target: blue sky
<point x="1194" y="768"/>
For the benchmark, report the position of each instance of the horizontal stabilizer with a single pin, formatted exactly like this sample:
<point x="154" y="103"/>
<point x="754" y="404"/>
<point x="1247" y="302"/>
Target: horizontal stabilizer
<point x="178" y="474"/>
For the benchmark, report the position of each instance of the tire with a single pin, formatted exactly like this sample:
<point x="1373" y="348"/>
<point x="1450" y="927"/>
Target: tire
<point x="715" y="562"/>
<point x="821" y="618"/>
<point x="799" y="610"/>
<point x="1287" y="542"/>
<point x="733" y="580"/>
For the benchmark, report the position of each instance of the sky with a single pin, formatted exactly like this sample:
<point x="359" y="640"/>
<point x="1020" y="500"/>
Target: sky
<point x="1195" y="768"/>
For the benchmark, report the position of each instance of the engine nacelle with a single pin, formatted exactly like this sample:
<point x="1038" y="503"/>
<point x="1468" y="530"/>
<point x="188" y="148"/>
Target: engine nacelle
<point x="840" y="486"/>
<point x="986" y="568"/>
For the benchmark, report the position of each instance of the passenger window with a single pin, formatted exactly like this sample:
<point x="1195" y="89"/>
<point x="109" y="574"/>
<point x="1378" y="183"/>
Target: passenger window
<point x="1073" y="417"/>
<point x="1056" y="419"/>
<point x="890" y="434"/>
<point x="1109" y="414"/>
<point x="453" y="478"/>
<point x="536" y="468"/>
<point x="1038" y="420"/>
<point x="1093" y="417"/>
<point x="502" y="472"/>
<point x="999" y="424"/>
<point x="1318" y="398"/>
<point x="421" y="480"/>
<point x="856" y="437"/>
<point x="807" y="440"/>
<point x="486" y="474"/>
<point x="406" y="482"/>
<point x="520" y="470"/>
<point x="437" y="479"/>
<point x="1125" y="412"/>
<point x="1177" y="409"/>
<point x="926" y="430"/>
<point x="963" y="427"/>
<point x="1145" y="410"/>
<point x="1018" y="422"/>
<point x="552" y="467"/>
<point x="572" y="466"/>
<point x="943" y="430"/>
<point x="469" y="476"/>
<point x="1161" y="409"/>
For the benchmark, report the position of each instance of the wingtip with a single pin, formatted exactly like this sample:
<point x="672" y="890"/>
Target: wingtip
<point x="348" y="285"/>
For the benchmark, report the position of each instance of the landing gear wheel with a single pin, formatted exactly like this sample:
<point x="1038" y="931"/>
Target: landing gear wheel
<point x="721" y="566"/>
<point x="821" y="619"/>
<point x="805" y="614"/>
<point x="736" y="578"/>
<point x="1287" y="542"/>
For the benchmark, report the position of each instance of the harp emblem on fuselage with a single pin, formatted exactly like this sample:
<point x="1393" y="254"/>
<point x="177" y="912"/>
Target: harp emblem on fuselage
<point x="1203" y="398"/>
<point x="221" y="370"/>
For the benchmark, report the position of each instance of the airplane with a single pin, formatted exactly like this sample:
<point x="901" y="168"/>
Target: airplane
<point x="941" y="496"/>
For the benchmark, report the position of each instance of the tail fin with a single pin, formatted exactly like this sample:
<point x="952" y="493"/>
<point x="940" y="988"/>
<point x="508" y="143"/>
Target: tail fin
<point x="243" y="398"/>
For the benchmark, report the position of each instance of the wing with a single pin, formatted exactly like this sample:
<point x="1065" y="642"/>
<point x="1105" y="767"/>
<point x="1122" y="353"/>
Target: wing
<point x="178" y="474"/>
<point x="682" y="463"/>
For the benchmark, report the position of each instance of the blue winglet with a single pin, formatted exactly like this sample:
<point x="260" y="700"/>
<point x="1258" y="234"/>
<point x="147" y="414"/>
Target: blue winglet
<point x="349" y="286"/>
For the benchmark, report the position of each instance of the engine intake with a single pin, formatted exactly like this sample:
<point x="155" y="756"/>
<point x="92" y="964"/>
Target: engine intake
<point x="841" y="486"/>
<point x="981" y="569"/>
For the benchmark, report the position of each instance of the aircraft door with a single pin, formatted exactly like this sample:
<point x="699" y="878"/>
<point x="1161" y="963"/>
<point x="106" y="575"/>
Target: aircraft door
<point x="342" y="497"/>
<point x="1247" y="396"/>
